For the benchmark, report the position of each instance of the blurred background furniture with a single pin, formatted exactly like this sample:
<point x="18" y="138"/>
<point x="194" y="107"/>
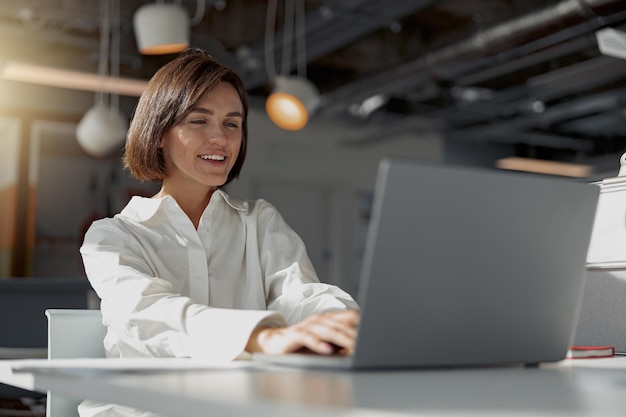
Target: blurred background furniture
<point x="23" y="302"/>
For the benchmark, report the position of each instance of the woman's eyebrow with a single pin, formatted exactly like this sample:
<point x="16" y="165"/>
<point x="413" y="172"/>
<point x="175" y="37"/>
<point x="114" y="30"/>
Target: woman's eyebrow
<point x="210" y="112"/>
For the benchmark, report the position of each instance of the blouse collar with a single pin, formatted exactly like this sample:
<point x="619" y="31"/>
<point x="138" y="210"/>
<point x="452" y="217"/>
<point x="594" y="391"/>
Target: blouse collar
<point x="144" y="208"/>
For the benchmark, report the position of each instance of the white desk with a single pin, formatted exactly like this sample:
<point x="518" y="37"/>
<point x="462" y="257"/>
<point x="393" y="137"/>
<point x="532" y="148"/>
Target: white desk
<point x="571" y="388"/>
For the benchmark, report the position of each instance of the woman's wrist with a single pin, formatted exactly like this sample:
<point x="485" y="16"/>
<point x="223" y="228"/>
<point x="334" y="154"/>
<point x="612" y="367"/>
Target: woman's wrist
<point x="255" y="339"/>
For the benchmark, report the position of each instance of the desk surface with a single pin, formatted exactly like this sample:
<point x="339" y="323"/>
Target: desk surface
<point x="595" y="387"/>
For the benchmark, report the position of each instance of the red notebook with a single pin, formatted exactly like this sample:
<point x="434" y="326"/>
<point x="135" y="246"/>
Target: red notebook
<point x="575" y="352"/>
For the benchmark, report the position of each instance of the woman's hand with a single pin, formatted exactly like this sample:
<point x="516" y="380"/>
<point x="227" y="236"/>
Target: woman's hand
<point x="326" y="333"/>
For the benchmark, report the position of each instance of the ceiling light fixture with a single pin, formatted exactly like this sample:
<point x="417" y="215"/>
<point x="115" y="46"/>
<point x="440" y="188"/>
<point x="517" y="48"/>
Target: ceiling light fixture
<point x="539" y="166"/>
<point x="161" y="28"/>
<point x="103" y="128"/>
<point x="293" y="98"/>
<point x="612" y="42"/>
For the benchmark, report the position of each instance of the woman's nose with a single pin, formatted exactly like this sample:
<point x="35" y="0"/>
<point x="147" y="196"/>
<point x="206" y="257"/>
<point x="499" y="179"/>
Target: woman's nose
<point x="217" y="135"/>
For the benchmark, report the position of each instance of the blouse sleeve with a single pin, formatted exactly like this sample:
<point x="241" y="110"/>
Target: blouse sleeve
<point x="146" y="317"/>
<point x="292" y="286"/>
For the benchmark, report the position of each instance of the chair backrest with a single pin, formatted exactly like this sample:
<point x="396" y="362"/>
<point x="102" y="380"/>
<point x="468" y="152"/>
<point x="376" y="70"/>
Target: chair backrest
<point x="72" y="334"/>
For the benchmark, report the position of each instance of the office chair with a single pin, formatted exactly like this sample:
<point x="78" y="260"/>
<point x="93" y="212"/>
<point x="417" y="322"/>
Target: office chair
<point x="72" y="333"/>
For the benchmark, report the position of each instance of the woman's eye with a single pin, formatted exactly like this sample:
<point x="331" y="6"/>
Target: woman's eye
<point x="232" y="124"/>
<point x="197" y="121"/>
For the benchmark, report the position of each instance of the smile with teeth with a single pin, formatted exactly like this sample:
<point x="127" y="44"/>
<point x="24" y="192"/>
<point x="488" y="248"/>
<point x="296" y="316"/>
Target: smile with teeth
<point x="213" y="157"/>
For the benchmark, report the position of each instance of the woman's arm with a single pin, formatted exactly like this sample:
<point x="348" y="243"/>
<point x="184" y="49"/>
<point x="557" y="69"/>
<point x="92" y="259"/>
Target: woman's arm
<point x="322" y="317"/>
<point x="146" y="313"/>
<point x="292" y="286"/>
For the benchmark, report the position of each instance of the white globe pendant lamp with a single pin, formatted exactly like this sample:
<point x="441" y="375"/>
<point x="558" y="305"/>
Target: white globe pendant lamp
<point x="291" y="102"/>
<point x="161" y="28"/>
<point x="102" y="130"/>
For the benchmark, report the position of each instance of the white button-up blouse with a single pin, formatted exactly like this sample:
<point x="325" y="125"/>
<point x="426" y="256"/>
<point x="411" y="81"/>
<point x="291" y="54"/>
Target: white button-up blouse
<point x="167" y="289"/>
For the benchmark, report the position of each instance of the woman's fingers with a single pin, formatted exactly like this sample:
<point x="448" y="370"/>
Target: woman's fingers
<point x="345" y="322"/>
<point x="333" y="332"/>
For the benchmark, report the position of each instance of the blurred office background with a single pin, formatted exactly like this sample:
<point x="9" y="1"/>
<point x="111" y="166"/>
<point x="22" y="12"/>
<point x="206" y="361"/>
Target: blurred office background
<point x="525" y="84"/>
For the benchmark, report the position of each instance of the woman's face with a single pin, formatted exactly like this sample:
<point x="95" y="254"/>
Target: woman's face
<point x="202" y="149"/>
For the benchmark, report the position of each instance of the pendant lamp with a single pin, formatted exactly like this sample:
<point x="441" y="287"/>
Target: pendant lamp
<point x="103" y="128"/>
<point x="291" y="102"/>
<point x="161" y="28"/>
<point x="293" y="98"/>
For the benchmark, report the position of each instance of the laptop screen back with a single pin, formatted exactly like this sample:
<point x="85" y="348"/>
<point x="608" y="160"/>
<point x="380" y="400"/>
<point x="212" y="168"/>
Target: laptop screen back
<point x="466" y="267"/>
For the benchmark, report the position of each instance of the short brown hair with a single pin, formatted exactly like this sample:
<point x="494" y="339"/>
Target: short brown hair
<point x="170" y="95"/>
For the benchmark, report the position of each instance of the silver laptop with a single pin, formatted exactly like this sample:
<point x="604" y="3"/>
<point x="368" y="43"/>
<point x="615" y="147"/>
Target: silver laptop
<point x="467" y="267"/>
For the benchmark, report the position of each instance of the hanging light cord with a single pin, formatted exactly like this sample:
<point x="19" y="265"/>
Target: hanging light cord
<point x="109" y="47"/>
<point x="270" y="23"/>
<point x="287" y="37"/>
<point x="301" y="38"/>
<point x="294" y="21"/>
<point x="115" y="51"/>
<point x="200" y="11"/>
<point x="103" y="62"/>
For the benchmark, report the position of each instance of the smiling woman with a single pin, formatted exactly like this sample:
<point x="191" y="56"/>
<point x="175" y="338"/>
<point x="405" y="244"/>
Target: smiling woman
<point x="193" y="272"/>
<point x="200" y="152"/>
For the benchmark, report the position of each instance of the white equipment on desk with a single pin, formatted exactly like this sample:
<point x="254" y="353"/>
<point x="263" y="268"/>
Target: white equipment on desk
<point x="602" y="318"/>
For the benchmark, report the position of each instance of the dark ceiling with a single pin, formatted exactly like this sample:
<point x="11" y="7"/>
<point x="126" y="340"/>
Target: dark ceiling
<point x="526" y="74"/>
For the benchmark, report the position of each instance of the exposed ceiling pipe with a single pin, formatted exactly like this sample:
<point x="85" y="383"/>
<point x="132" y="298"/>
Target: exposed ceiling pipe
<point x="514" y="60"/>
<point x="330" y="30"/>
<point x="559" y="113"/>
<point x="559" y="83"/>
<point x="448" y="62"/>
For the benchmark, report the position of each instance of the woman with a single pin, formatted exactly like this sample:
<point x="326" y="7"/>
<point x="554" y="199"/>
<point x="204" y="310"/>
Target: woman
<point x="192" y="272"/>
